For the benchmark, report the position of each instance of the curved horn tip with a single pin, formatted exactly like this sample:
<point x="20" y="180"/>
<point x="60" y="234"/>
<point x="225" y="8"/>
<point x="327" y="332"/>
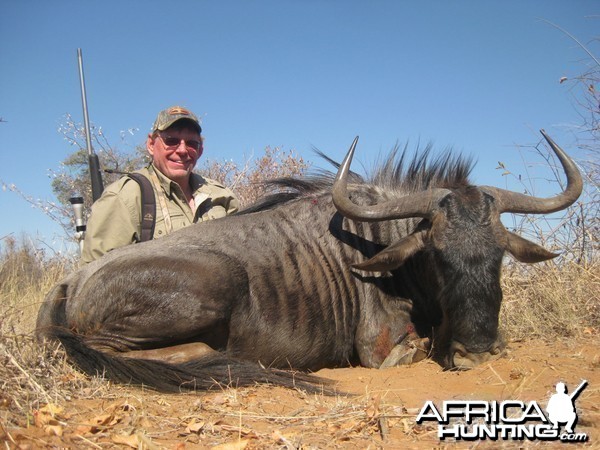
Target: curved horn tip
<point x="344" y="167"/>
<point x="543" y="132"/>
<point x="549" y="140"/>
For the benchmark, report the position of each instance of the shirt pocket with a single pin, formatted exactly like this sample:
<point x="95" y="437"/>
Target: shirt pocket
<point x="179" y="220"/>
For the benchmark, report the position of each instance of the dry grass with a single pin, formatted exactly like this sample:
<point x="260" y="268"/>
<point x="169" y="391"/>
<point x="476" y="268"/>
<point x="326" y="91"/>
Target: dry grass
<point x="29" y="375"/>
<point x="549" y="300"/>
<point x="553" y="300"/>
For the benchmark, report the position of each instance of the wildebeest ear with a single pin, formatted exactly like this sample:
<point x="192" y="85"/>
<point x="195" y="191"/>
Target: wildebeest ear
<point x="526" y="251"/>
<point x="394" y="255"/>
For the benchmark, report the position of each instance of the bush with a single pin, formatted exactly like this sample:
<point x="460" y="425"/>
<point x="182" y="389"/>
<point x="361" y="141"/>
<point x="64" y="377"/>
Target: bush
<point x="247" y="181"/>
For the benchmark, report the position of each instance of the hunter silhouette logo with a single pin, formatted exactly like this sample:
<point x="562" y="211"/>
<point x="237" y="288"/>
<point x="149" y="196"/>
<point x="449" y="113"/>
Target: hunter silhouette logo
<point x="561" y="406"/>
<point x="507" y="420"/>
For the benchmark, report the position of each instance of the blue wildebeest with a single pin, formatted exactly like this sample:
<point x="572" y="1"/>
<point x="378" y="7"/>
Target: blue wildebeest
<point x="281" y="284"/>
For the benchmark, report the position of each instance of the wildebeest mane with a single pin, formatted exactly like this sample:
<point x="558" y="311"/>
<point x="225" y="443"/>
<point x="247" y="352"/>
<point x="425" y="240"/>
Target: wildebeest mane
<point x="400" y="172"/>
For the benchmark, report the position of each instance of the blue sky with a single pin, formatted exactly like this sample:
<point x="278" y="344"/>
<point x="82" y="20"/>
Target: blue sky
<point x="481" y="76"/>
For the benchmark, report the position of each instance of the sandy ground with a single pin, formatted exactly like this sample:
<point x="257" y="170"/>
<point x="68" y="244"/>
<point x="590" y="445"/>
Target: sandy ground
<point x="381" y="414"/>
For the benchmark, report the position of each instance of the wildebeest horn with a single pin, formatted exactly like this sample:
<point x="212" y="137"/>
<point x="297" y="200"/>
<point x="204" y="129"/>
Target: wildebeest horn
<point x="515" y="202"/>
<point x="420" y="204"/>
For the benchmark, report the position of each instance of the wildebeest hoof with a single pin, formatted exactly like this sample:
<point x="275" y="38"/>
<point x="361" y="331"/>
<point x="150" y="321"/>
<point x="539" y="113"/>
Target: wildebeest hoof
<point x="407" y="352"/>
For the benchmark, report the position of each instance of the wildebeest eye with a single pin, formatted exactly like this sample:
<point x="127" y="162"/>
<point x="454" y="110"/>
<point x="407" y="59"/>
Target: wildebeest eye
<point x="488" y="197"/>
<point x="444" y="202"/>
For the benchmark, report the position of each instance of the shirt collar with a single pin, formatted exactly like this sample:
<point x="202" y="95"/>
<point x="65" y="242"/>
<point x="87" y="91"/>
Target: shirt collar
<point x="196" y="181"/>
<point x="165" y="182"/>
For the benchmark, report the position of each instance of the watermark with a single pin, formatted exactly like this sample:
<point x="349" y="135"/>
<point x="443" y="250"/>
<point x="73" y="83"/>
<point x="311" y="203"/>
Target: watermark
<point x="507" y="420"/>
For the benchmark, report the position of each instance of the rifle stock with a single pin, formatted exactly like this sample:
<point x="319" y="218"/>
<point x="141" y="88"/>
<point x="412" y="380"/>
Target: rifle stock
<point x="96" y="175"/>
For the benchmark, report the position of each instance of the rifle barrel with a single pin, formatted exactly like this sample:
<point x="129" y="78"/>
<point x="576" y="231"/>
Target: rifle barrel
<point x="578" y="389"/>
<point x="86" y="120"/>
<point x="94" y="164"/>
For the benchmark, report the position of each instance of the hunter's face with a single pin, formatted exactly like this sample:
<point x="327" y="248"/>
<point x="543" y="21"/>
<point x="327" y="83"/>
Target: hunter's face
<point x="175" y="152"/>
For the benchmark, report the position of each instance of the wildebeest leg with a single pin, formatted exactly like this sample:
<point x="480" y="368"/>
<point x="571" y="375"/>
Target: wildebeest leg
<point x="175" y="354"/>
<point x="141" y="303"/>
<point x="385" y="326"/>
<point x="412" y="349"/>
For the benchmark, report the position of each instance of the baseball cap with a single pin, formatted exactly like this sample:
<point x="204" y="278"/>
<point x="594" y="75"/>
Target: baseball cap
<point x="169" y="116"/>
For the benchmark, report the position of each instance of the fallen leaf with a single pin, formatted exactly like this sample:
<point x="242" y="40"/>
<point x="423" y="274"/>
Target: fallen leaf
<point x="145" y="423"/>
<point x="194" y="427"/>
<point x="44" y="415"/>
<point x="132" y="441"/>
<point x="54" y="430"/>
<point x="237" y="445"/>
<point x="99" y="423"/>
<point x="333" y="427"/>
<point x="105" y="420"/>
<point x="280" y="438"/>
<point x="127" y="407"/>
<point x="85" y="429"/>
<point x="218" y="400"/>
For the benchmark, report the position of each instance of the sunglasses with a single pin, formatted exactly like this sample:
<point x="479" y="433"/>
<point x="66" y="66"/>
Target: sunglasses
<point x="173" y="142"/>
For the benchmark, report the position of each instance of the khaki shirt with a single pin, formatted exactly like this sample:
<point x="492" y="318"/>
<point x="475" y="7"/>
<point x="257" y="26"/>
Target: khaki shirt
<point x="115" y="220"/>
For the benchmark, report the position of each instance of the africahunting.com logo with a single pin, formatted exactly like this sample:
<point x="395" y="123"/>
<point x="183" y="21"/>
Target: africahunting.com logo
<point x="509" y="419"/>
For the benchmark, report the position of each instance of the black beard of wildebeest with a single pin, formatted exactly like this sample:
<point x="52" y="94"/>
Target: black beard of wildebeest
<point x="328" y="273"/>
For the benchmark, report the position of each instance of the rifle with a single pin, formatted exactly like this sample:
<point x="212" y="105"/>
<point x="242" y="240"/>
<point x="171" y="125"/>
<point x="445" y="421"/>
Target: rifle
<point x="95" y="174"/>
<point x="578" y="390"/>
<point x="94" y="165"/>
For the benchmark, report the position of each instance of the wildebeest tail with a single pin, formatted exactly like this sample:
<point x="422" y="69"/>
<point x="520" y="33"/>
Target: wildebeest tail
<point x="208" y="372"/>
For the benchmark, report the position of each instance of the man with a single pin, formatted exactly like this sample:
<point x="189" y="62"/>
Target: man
<point x="182" y="197"/>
